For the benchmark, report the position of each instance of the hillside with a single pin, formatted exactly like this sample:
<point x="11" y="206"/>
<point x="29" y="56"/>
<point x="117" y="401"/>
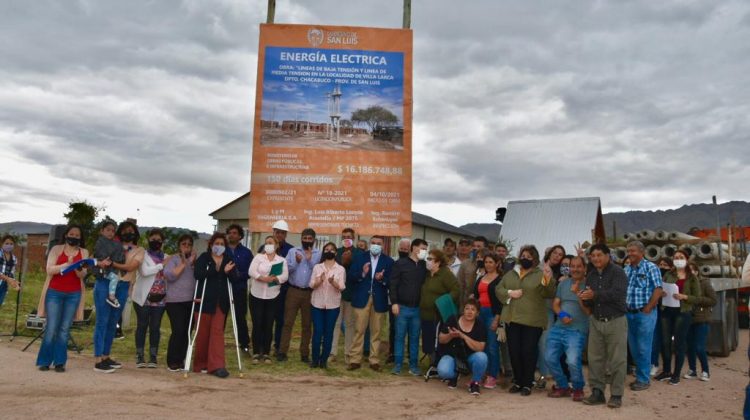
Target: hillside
<point x="490" y="231"/>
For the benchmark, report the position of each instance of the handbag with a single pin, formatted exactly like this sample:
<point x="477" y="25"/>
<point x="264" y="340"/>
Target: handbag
<point x="155" y="297"/>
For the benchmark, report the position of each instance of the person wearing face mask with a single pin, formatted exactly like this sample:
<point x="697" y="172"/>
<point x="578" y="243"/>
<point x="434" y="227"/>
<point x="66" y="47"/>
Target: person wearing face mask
<point x="467" y="272"/>
<point x="214" y="269"/>
<point x="665" y="265"/>
<point x="301" y="262"/>
<point x="698" y="332"/>
<point x="567" y="337"/>
<point x="7" y="267"/>
<point x="61" y="300"/>
<point x="327" y="281"/>
<point x="180" y="276"/>
<point x="675" y="322"/>
<point x="369" y="275"/>
<point x="439" y="280"/>
<point x="265" y="296"/>
<point x="242" y="258"/>
<point x="345" y="254"/>
<point x="149" y="293"/>
<point x="404" y="245"/>
<point x="107" y="315"/>
<point x="489" y="313"/>
<point x="405" y="292"/>
<point x="523" y="291"/>
<point x="107" y="248"/>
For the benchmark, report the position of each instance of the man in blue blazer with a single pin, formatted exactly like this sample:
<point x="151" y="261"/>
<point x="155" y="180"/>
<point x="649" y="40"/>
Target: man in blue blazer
<point x="369" y="275"/>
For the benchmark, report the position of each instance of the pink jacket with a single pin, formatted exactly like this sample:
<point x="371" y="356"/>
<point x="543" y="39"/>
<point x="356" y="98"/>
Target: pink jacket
<point x="325" y="295"/>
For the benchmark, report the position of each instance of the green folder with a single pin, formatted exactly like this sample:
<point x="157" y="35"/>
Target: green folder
<point x="276" y="270"/>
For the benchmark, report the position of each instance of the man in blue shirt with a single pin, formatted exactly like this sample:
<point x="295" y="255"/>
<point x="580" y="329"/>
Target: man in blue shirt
<point x="300" y="262"/>
<point x="568" y="335"/>
<point x="369" y="275"/>
<point x="242" y="258"/>
<point x="644" y="291"/>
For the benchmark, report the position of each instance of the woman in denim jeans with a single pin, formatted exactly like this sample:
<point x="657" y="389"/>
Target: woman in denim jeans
<point x="489" y="313"/>
<point x="464" y="339"/>
<point x="106" y="315"/>
<point x="61" y="298"/>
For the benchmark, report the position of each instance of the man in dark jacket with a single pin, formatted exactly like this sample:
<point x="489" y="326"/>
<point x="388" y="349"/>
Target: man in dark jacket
<point x="405" y="287"/>
<point x="242" y="258"/>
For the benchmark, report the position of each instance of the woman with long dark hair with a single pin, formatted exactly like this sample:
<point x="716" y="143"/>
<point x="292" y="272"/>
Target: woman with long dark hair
<point x="149" y="293"/>
<point x="327" y="281"/>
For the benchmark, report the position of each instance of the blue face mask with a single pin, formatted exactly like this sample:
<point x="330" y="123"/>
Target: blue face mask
<point x="218" y="249"/>
<point x="375" y="249"/>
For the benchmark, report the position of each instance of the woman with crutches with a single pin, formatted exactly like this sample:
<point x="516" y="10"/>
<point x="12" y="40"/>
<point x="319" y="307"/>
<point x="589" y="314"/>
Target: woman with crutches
<point x="213" y="269"/>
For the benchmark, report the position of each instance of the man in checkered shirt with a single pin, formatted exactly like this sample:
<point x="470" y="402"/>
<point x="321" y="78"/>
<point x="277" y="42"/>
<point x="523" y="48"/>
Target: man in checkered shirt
<point x="644" y="291"/>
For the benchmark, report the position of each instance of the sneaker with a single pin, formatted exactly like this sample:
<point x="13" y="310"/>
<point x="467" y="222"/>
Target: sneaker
<point x="690" y="375"/>
<point x="490" y="382"/>
<point x="267" y="359"/>
<point x="596" y="397"/>
<point x="540" y="383"/>
<point x="415" y="372"/>
<point x="559" y="392"/>
<point x="675" y="380"/>
<point x="113" y="363"/>
<point x="119" y="335"/>
<point x="663" y="376"/>
<point x="140" y="362"/>
<point x="220" y="373"/>
<point x="323" y="365"/>
<point x="577" y="395"/>
<point x="639" y="386"/>
<point x="113" y="302"/>
<point x="615" y="401"/>
<point x="453" y="383"/>
<point x="174" y="369"/>
<point x="314" y="365"/>
<point x="281" y="357"/>
<point x="705" y="377"/>
<point x="525" y="391"/>
<point x="152" y="363"/>
<point x="515" y="389"/>
<point x="59" y="368"/>
<point x="256" y="359"/>
<point x="103" y="368"/>
<point x="204" y="370"/>
<point x="395" y="371"/>
<point x="474" y="388"/>
<point x="654" y="370"/>
<point x="43" y="368"/>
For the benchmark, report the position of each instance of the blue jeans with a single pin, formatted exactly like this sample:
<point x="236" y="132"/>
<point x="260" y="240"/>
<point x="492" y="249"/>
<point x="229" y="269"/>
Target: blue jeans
<point x="477" y="363"/>
<point x="540" y="362"/>
<point x="324" y="321"/>
<point x="492" y="347"/>
<point x="407" y="321"/>
<point x="3" y="291"/>
<point x="106" y="315"/>
<point x="569" y="342"/>
<point x="61" y="308"/>
<point x="640" y="336"/>
<point x="696" y="345"/>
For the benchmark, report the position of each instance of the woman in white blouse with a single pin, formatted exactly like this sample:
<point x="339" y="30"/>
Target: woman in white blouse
<point x="265" y="284"/>
<point x="327" y="281"/>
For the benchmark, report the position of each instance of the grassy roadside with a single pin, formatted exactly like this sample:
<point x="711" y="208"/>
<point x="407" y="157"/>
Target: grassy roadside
<point x="124" y="349"/>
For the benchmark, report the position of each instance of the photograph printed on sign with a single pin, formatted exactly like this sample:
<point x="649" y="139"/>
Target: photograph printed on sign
<point x="332" y="99"/>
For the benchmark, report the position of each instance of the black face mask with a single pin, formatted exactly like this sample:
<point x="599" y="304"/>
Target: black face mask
<point x="526" y="263"/>
<point x="128" y="237"/>
<point x="307" y="245"/>
<point x="329" y="255"/>
<point x="403" y="254"/>
<point x="154" y="245"/>
<point x="663" y="271"/>
<point x="480" y="264"/>
<point x="72" y="241"/>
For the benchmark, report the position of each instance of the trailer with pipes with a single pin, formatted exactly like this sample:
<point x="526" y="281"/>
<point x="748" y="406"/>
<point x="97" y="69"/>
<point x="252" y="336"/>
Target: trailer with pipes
<point x="721" y="261"/>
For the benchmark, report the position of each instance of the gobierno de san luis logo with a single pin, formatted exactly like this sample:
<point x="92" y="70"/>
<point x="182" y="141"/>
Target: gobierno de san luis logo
<point x="316" y="37"/>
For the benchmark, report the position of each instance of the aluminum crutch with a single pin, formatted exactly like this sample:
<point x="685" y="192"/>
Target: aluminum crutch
<point x="234" y="327"/>
<point x="191" y="342"/>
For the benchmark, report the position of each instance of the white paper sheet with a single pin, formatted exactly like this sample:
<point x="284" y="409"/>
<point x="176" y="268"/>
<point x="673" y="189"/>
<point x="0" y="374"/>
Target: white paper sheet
<point x="669" y="301"/>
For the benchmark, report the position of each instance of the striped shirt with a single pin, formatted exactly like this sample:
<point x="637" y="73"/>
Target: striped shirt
<point x="643" y="279"/>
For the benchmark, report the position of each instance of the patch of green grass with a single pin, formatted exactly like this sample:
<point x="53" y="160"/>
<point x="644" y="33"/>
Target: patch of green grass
<point x="124" y="350"/>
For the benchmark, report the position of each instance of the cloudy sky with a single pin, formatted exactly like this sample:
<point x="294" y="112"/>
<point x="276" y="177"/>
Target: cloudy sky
<point x="146" y="107"/>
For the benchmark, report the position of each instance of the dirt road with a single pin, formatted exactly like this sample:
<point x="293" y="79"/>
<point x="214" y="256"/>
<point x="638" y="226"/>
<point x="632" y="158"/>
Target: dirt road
<point x="26" y="393"/>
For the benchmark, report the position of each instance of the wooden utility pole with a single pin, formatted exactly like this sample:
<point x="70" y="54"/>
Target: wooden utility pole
<point x="271" y="11"/>
<point x="407" y="14"/>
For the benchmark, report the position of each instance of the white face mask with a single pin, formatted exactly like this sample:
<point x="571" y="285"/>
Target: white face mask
<point x="422" y="254"/>
<point x="430" y="265"/>
<point x="680" y="263"/>
<point x="218" y="249"/>
<point x="375" y="249"/>
<point x="269" y="248"/>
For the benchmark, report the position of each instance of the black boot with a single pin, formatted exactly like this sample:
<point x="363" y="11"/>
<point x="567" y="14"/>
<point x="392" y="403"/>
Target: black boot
<point x="596" y="397"/>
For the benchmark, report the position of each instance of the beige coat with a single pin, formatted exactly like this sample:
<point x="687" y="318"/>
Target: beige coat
<point x="54" y="268"/>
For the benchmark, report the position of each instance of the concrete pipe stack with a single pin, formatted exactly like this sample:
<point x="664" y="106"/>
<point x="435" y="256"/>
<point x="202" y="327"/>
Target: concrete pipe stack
<point x="712" y="259"/>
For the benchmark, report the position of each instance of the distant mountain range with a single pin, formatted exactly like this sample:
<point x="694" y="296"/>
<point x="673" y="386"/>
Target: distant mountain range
<point x="683" y="219"/>
<point x="25" y="228"/>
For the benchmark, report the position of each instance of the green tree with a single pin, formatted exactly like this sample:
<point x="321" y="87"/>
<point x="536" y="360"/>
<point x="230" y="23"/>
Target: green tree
<point x="84" y="214"/>
<point x="374" y="116"/>
<point x="171" y="237"/>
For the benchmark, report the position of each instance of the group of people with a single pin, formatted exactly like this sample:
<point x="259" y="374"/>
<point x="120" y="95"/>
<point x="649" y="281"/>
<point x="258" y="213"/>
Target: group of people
<point x="472" y="306"/>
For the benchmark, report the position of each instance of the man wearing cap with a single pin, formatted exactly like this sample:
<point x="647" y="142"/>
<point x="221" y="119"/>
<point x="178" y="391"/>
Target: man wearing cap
<point x="300" y="262"/>
<point x="280" y="229"/>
